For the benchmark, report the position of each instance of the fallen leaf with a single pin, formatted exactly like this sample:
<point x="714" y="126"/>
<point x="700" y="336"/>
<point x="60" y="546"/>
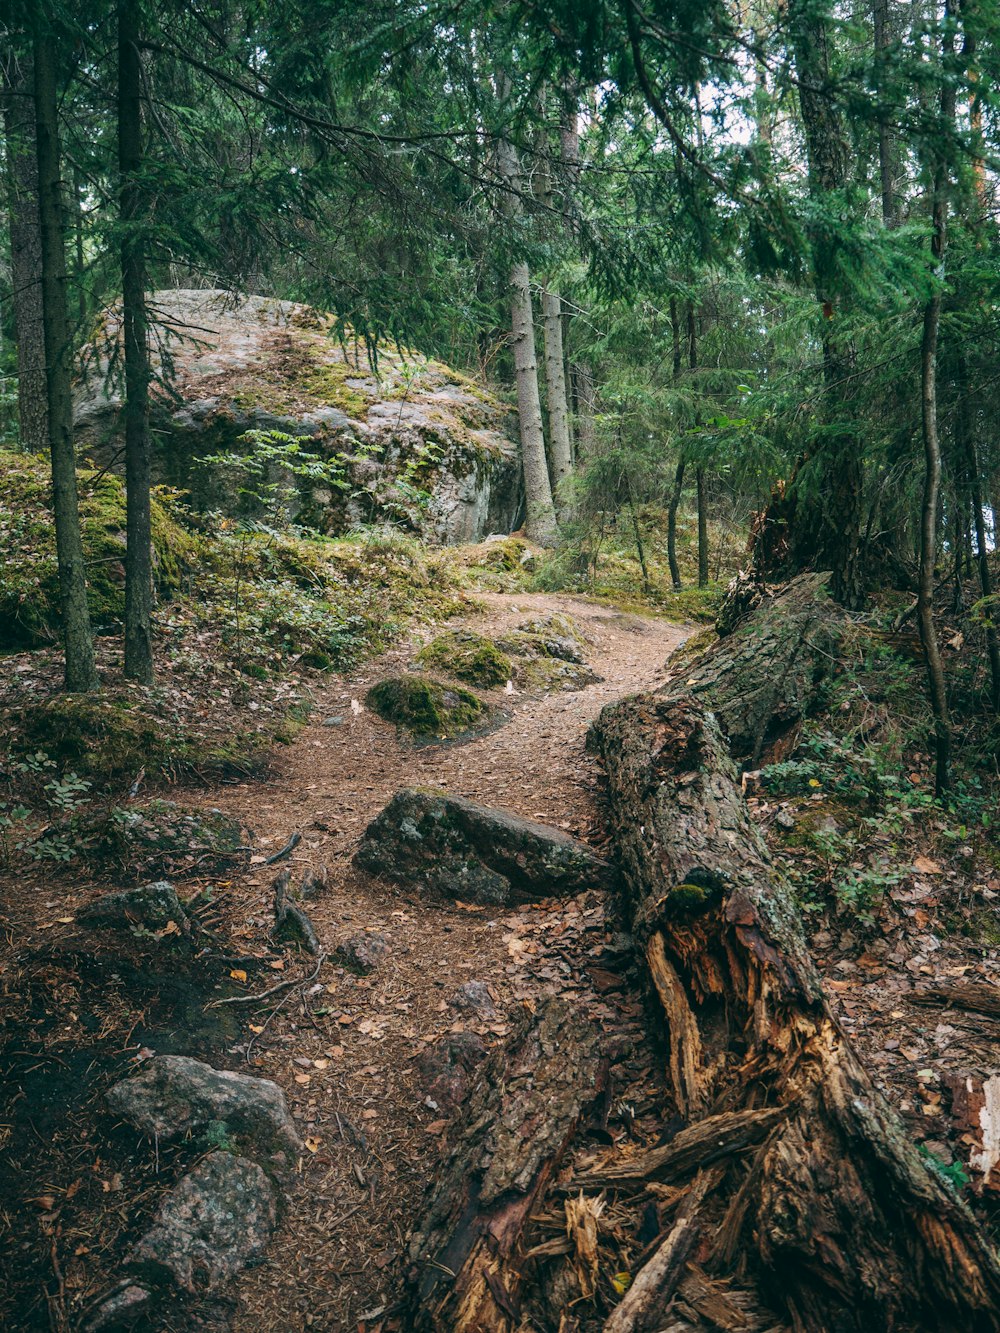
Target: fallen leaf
<point x="924" y="866"/>
<point x="278" y="965"/>
<point x="312" y="1143"/>
<point x="303" y="1078"/>
<point x="437" y="1126"/>
<point x="238" y="974"/>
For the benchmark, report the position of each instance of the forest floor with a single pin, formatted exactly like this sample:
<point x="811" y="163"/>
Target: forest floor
<point x="347" y="1049"/>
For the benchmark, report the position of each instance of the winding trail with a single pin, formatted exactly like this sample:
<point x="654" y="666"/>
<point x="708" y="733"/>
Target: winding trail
<point x="346" y="1061"/>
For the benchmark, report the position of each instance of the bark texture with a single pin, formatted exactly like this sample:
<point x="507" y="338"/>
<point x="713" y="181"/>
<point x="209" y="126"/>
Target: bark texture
<point x="560" y="447"/>
<point x="465" y="1268"/>
<point x="139" y="541"/>
<point x="81" y="673"/>
<point x="25" y="250"/>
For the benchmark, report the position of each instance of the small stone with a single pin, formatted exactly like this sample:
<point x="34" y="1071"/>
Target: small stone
<point x="363" y="952"/>
<point x="175" y="1095"/>
<point x="152" y="906"/>
<point x="474" y="998"/>
<point x="785" y="820"/>
<point x="333" y="722"/>
<point x="216" y="1221"/>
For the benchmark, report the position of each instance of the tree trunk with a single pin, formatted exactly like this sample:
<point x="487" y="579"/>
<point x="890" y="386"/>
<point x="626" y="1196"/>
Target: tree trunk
<point x="540" y="523"/>
<point x="675" y="499"/>
<point x="888" y="148"/>
<point x="465" y="1266"/>
<point x="560" y="448"/>
<point x="25" y="251"/>
<point x="138" y="554"/>
<point x="840" y="1219"/>
<point x="932" y="446"/>
<point x="586" y="404"/>
<point x="826" y="534"/>
<point x="702" y="528"/>
<point x="81" y="672"/>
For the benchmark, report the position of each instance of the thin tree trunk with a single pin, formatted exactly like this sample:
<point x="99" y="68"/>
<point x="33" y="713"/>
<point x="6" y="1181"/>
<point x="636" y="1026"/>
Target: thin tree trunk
<point x="932" y="451"/>
<point x="560" y="448"/>
<point x="675" y="499"/>
<point x="586" y="401"/>
<point x="25" y="251"/>
<point x="982" y="551"/>
<point x="540" y="522"/>
<point x="138" y="554"/>
<point x="78" y="641"/>
<point x="702" y="528"/>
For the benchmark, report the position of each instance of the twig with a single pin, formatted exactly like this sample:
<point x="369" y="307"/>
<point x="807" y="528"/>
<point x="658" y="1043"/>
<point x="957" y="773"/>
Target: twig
<point x="287" y="850"/>
<point x="273" y="990"/>
<point x="250" y="1044"/>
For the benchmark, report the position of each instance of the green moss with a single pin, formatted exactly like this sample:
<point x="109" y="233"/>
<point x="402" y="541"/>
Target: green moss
<point x="469" y="656"/>
<point x="326" y="384"/>
<point x="546" y="673"/>
<point x="97" y="737"/>
<point x="426" y="707"/>
<point x="29" y="578"/>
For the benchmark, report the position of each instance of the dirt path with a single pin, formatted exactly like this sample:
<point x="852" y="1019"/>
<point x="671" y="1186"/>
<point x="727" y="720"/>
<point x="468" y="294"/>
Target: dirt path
<point x="349" y="1062"/>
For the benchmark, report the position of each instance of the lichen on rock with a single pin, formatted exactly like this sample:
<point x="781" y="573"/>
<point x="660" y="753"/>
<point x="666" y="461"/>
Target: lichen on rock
<point x="468" y="656"/>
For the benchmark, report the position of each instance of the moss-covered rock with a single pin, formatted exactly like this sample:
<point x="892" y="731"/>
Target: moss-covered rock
<point x="546" y="674"/>
<point x="468" y="656"/>
<point x="427" y="708"/>
<point x="29" y="576"/>
<point x="555" y="635"/>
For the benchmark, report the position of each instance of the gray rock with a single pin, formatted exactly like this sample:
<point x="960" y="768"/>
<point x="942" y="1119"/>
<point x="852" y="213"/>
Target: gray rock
<point x="216" y="1221"/>
<point x="453" y="848"/>
<point x="152" y="906"/>
<point x="363" y="952"/>
<point x="785" y="820"/>
<point x="333" y="722"/>
<point x="474" y="998"/>
<point x="175" y="1095"/>
<point x="446" y="1068"/>
<point x="286" y="357"/>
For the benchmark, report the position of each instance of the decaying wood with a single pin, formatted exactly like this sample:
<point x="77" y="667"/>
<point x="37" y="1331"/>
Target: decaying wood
<point x="465" y="1265"/>
<point x="841" y="1220"/>
<point x="980" y="997"/>
<point x="642" y="1306"/>
<point x="762" y="679"/>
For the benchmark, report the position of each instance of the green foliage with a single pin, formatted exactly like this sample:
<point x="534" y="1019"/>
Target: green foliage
<point x="29" y="586"/>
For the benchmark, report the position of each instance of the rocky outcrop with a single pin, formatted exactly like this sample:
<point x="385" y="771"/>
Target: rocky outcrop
<point x="175" y="1095"/>
<point x="453" y="848"/>
<point x="153" y="907"/>
<point x="415" y="443"/>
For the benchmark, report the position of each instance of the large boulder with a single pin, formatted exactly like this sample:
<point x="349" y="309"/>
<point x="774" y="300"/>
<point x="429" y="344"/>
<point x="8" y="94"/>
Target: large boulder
<point x="216" y="1221"/>
<point x="416" y="442"/>
<point x="175" y="1095"/>
<point x="454" y="848"/>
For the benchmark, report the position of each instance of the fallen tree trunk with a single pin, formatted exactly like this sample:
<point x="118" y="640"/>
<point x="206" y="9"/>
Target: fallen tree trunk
<point x="844" y="1224"/>
<point x="761" y="679"/>
<point x="465" y="1270"/>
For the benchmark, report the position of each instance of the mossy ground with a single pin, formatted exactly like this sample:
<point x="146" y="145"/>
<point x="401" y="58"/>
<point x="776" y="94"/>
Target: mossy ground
<point x="427" y="708"/>
<point x="29" y="583"/>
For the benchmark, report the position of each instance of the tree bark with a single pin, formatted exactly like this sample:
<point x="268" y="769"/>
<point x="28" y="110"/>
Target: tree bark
<point x="826" y="534"/>
<point x="703" y="552"/>
<point x="840" y="1220"/>
<point x="540" y="523"/>
<point x="138" y="553"/>
<point x="586" y="406"/>
<point x="888" y="148"/>
<point x="466" y="1269"/>
<point x="675" y="499"/>
<point x="932" y="444"/>
<point x="25" y="250"/>
<point x="560" y="447"/>
<point x="81" y="672"/>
